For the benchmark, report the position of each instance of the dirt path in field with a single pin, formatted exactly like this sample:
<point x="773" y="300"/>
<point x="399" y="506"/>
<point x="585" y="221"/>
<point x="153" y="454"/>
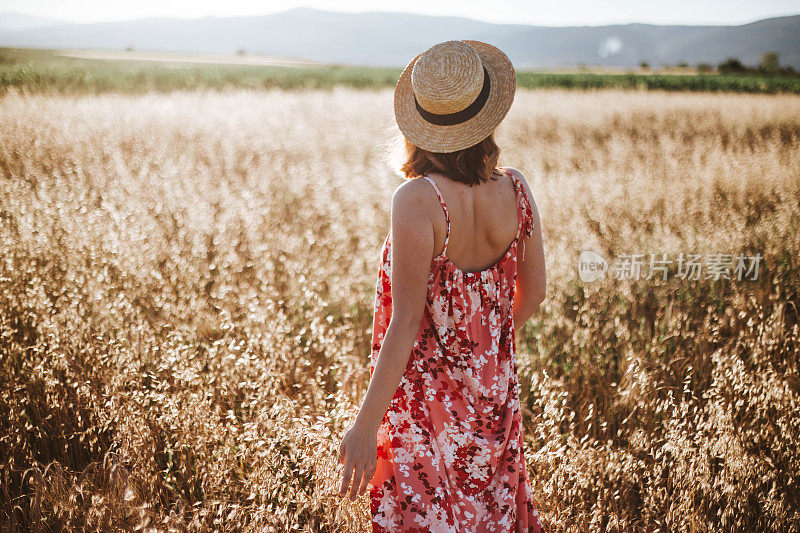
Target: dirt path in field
<point x="212" y="59"/>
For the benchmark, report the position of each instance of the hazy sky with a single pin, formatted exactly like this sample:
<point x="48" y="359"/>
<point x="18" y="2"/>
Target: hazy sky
<point x="550" y="13"/>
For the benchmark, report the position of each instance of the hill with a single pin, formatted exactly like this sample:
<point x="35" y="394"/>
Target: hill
<point x="384" y="39"/>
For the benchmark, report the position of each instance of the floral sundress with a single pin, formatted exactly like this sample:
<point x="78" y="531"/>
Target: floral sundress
<point x="450" y="448"/>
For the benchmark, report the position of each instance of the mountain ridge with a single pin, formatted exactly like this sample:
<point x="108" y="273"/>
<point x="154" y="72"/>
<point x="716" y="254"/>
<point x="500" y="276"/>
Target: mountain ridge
<point x="379" y="38"/>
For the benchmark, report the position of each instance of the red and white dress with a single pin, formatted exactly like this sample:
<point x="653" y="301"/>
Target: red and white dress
<point x="450" y="448"/>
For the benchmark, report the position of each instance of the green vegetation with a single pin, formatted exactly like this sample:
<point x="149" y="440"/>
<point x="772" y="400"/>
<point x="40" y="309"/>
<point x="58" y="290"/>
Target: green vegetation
<point x="664" y="82"/>
<point x="769" y="66"/>
<point x="43" y="71"/>
<point x="703" y="68"/>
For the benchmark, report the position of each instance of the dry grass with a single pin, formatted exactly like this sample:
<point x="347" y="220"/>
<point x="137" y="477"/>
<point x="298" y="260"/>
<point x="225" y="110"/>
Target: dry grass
<point x="186" y="291"/>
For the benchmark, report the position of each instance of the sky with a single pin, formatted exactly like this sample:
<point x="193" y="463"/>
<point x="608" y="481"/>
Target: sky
<point x="537" y="12"/>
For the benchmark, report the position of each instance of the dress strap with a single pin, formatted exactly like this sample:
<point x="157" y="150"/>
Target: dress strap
<point x="446" y="212"/>
<point x="524" y="212"/>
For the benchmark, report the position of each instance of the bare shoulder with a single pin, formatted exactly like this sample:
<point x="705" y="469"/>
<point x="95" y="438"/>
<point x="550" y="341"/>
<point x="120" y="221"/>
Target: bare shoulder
<point x="528" y="192"/>
<point x="412" y="221"/>
<point x="412" y="201"/>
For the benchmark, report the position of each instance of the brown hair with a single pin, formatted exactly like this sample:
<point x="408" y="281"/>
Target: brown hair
<point x="473" y="165"/>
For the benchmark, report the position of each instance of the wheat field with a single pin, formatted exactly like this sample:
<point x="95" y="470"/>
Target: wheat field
<point x="186" y="284"/>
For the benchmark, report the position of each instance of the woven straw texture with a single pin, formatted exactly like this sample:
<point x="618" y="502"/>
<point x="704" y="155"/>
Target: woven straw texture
<point x="446" y="78"/>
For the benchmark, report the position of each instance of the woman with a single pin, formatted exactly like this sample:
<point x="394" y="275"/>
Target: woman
<point x="438" y="438"/>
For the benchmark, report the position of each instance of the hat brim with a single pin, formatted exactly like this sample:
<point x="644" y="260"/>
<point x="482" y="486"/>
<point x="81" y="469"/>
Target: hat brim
<point x="445" y="139"/>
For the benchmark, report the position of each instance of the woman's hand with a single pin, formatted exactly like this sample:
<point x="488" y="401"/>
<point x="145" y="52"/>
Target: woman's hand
<point x="412" y="248"/>
<point x="359" y="453"/>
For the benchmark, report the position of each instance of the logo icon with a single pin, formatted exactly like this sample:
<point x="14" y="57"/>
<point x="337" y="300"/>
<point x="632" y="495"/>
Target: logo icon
<point x="591" y="266"/>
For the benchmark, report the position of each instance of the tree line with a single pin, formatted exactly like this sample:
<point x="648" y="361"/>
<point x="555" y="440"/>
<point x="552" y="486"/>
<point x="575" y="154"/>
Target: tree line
<point x="769" y="65"/>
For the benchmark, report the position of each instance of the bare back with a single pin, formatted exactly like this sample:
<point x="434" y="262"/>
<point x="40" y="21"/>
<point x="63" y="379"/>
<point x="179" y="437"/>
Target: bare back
<point x="483" y="221"/>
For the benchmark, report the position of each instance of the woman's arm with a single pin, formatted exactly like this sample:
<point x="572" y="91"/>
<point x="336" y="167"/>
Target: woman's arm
<point x="412" y="251"/>
<point x="531" y="276"/>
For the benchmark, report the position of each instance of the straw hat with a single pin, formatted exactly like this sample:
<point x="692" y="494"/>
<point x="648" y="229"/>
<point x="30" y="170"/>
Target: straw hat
<point x="453" y="95"/>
